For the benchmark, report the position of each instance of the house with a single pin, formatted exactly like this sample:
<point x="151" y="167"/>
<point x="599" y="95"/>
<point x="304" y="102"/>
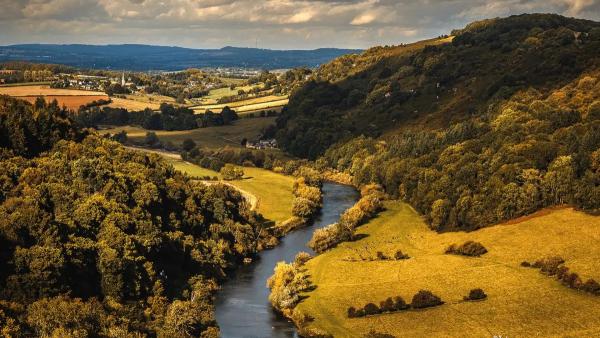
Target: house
<point x="262" y="144"/>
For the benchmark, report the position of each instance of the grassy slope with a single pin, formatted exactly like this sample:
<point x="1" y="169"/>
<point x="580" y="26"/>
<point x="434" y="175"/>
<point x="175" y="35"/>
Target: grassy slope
<point x="521" y="301"/>
<point x="274" y="191"/>
<point x="211" y="137"/>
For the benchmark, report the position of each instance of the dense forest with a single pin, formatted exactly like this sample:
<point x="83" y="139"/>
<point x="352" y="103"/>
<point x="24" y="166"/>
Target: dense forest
<point x="495" y="122"/>
<point x="168" y="118"/>
<point x="97" y="240"/>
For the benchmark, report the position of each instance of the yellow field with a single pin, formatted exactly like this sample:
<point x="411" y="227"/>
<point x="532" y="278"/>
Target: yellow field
<point x="218" y="93"/>
<point x="43" y="90"/>
<point x="521" y="301"/>
<point x="70" y="98"/>
<point x="273" y="191"/>
<point x="132" y="105"/>
<point x="254" y="104"/>
<point x="211" y="137"/>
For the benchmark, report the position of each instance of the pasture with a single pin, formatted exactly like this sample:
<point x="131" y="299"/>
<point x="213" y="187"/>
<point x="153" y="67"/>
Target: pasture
<point x="210" y="137"/>
<point x="521" y="302"/>
<point x="70" y="98"/>
<point x="272" y="191"/>
<point x="245" y="106"/>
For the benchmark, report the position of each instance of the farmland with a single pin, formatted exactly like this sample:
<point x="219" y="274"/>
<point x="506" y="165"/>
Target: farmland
<point x="520" y="300"/>
<point x="246" y="106"/>
<point x="70" y="98"/>
<point x="210" y="137"/>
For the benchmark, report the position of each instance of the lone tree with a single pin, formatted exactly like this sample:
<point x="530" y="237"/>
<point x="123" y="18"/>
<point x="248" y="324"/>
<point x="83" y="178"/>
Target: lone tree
<point x="188" y="144"/>
<point x="231" y="172"/>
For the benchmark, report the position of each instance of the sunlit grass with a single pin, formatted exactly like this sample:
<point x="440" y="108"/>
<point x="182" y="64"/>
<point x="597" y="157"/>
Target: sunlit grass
<point x="521" y="302"/>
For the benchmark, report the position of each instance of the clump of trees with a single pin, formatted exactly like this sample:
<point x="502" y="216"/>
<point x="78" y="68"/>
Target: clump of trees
<point x="475" y="294"/>
<point x="307" y="195"/>
<point x="554" y="266"/>
<point x="90" y="231"/>
<point x="366" y="207"/>
<point x="421" y="299"/>
<point x="169" y="117"/>
<point x="214" y="159"/>
<point x="286" y="283"/>
<point x="230" y="172"/>
<point x="468" y="248"/>
<point x="424" y="299"/>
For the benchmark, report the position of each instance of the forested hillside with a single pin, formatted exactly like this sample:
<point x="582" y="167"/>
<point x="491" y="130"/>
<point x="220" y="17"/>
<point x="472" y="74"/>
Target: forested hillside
<point x="96" y="240"/>
<point x="497" y="121"/>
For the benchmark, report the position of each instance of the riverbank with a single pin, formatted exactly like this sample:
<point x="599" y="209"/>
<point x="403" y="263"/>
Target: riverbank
<point x="242" y="306"/>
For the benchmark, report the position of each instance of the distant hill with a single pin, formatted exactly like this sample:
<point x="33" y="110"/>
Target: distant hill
<point x="146" y="57"/>
<point x="470" y="129"/>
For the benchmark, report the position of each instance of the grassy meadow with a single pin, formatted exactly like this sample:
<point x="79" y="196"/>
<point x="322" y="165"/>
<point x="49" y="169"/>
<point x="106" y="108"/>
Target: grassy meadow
<point x="521" y="302"/>
<point x="210" y="137"/>
<point x="273" y="191"/>
<point x="244" y="106"/>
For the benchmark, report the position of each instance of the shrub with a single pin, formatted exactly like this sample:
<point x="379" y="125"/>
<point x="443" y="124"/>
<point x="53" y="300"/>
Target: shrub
<point x="371" y="309"/>
<point x="360" y="312"/>
<point x="387" y="305"/>
<point x="525" y="264"/>
<point x="352" y="312"/>
<point x="303" y="207"/>
<point x="375" y="334"/>
<point x="381" y="256"/>
<point x="400" y="255"/>
<point x="400" y="304"/>
<point x="549" y="265"/>
<point x="301" y="258"/>
<point x="476" y="294"/>
<point x="424" y="299"/>
<point x="591" y="286"/>
<point x="469" y="248"/>
<point x="230" y="172"/>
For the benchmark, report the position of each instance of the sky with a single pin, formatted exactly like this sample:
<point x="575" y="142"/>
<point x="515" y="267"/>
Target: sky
<point x="274" y="24"/>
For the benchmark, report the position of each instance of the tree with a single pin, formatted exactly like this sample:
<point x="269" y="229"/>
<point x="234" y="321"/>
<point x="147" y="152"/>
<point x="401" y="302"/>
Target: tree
<point x="230" y="172"/>
<point x="188" y="144"/>
<point x="151" y="139"/>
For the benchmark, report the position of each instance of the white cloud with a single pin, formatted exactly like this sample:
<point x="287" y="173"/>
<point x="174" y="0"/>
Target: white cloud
<point x="276" y="23"/>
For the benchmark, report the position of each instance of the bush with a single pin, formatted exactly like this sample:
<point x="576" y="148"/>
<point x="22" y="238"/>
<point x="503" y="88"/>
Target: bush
<point x="424" y="299"/>
<point x="525" y="264"/>
<point x="375" y="334"/>
<point x="400" y="255"/>
<point x="371" y="309"/>
<point x="549" y="265"/>
<point x="352" y="312"/>
<point x="301" y="258"/>
<point x="469" y="248"/>
<point x="303" y="208"/>
<point x="188" y="144"/>
<point x="476" y="294"/>
<point x="230" y="172"/>
<point x="400" y="304"/>
<point x="387" y="305"/>
<point x="591" y="286"/>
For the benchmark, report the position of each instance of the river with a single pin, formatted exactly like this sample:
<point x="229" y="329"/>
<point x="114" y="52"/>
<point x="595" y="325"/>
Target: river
<point x="242" y="307"/>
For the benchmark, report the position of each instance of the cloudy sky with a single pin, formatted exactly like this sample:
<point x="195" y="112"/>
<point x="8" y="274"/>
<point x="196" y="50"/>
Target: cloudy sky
<point x="276" y="24"/>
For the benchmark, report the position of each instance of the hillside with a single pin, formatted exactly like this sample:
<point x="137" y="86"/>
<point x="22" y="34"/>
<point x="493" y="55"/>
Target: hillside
<point x="100" y="241"/>
<point x="146" y="57"/>
<point x="521" y="302"/>
<point x="497" y="121"/>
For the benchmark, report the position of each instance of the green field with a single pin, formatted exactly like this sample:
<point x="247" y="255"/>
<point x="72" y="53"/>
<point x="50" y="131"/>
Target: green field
<point x="211" y="137"/>
<point x="273" y="191"/>
<point x="521" y="301"/>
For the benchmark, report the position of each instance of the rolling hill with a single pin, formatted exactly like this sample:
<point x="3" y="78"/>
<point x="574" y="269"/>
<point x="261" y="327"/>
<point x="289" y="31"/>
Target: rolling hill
<point x="496" y="121"/>
<point x="146" y="57"/>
